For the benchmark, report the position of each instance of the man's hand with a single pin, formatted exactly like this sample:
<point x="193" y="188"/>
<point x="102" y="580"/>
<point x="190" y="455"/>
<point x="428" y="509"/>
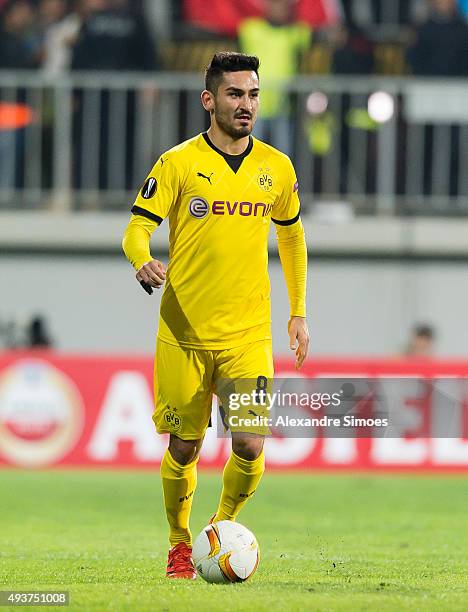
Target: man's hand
<point x="298" y="339"/>
<point x="152" y="273"/>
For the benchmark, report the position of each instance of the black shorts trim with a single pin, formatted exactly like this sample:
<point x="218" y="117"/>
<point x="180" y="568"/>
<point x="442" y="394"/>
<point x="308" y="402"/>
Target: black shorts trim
<point x="137" y="210"/>
<point x="288" y="221"/>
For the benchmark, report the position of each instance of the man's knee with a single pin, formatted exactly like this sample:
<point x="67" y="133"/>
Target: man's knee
<point x="247" y="447"/>
<point x="184" y="451"/>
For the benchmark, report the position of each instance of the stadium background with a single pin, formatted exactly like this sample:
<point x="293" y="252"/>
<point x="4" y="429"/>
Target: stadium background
<point x="380" y="154"/>
<point x="376" y="118"/>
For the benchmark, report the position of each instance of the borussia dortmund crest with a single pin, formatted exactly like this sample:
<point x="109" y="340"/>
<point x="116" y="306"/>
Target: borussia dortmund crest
<point x="172" y="419"/>
<point x="265" y="180"/>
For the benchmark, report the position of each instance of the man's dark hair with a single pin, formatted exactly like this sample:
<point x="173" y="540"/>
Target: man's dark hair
<point x="424" y="330"/>
<point x="228" y="61"/>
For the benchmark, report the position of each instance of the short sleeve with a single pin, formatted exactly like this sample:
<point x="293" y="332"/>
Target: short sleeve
<point x="160" y="190"/>
<point x="286" y="209"/>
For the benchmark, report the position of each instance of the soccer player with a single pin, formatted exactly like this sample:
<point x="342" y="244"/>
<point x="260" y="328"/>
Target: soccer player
<point x="220" y="190"/>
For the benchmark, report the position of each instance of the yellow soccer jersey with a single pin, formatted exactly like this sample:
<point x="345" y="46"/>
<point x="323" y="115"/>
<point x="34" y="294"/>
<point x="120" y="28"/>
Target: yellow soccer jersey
<point x="217" y="292"/>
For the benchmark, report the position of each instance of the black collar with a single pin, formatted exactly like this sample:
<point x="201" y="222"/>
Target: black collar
<point x="233" y="161"/>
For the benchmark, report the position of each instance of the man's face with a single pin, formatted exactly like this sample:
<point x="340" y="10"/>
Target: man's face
<point x="279" y="11"/>
<point x="444" y="7"/>
<point x="236" y="103"/>
<point x="19" y="17"/>
<point x="91" y="6"/>
<point x="52" y="10"/>
<point x="421" y="346"/>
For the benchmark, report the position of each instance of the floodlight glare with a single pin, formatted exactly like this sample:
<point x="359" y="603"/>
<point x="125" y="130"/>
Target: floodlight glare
<point x="317" y="103"/>
<point x="381" y="106"/>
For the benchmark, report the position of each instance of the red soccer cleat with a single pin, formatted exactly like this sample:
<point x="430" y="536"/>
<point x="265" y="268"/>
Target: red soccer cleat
<point x="179" y="562"/>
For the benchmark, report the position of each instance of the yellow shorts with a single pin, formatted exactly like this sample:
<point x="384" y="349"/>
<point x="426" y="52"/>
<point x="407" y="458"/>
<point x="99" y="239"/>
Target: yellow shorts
<point x="186" y="379"/>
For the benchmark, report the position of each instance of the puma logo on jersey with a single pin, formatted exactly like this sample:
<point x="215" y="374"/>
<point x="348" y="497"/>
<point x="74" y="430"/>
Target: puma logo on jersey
<point x="208" y="178"/>
<point x="149" y="188"/>
<point x="162" y="161"/>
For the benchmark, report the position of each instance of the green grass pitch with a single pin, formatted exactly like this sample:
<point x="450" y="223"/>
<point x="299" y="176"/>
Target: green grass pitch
<point x="328" y="542"/>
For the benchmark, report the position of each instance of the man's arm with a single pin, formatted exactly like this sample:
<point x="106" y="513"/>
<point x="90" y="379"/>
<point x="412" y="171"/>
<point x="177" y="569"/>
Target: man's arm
<point x="136" y="247"/>
<point x="292" y="250"/>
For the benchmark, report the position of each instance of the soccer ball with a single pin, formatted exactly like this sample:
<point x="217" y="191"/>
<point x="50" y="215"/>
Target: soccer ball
<point x="225" y="552"/>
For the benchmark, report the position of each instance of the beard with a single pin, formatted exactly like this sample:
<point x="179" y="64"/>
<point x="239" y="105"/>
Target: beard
<point x="227" y="125"/>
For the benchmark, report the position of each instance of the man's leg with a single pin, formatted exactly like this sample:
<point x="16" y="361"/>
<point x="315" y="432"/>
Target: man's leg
<point x="183" y="395"/>
<point x="241" y="475"/>
<point x="179" y="481"/>
<point x="244" y="368"/>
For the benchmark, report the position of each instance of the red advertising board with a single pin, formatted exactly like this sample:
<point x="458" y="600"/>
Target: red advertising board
<point x="91" y="411"/>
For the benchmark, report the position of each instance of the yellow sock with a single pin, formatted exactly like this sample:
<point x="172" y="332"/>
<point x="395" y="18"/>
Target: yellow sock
<point x="179" y="483"/>
<point x="240" y="479"/>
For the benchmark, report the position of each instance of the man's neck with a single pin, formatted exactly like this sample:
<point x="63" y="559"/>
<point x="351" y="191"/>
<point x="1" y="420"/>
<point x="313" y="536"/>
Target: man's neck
<point x="226" y="143"/>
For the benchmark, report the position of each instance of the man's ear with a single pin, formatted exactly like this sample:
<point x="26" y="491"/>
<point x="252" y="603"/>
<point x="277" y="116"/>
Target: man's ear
<point x="207" y="100"/>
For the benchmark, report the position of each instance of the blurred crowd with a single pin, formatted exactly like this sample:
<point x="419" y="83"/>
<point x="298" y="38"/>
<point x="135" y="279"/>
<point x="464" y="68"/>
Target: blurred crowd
<point x="61" y="35"/>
